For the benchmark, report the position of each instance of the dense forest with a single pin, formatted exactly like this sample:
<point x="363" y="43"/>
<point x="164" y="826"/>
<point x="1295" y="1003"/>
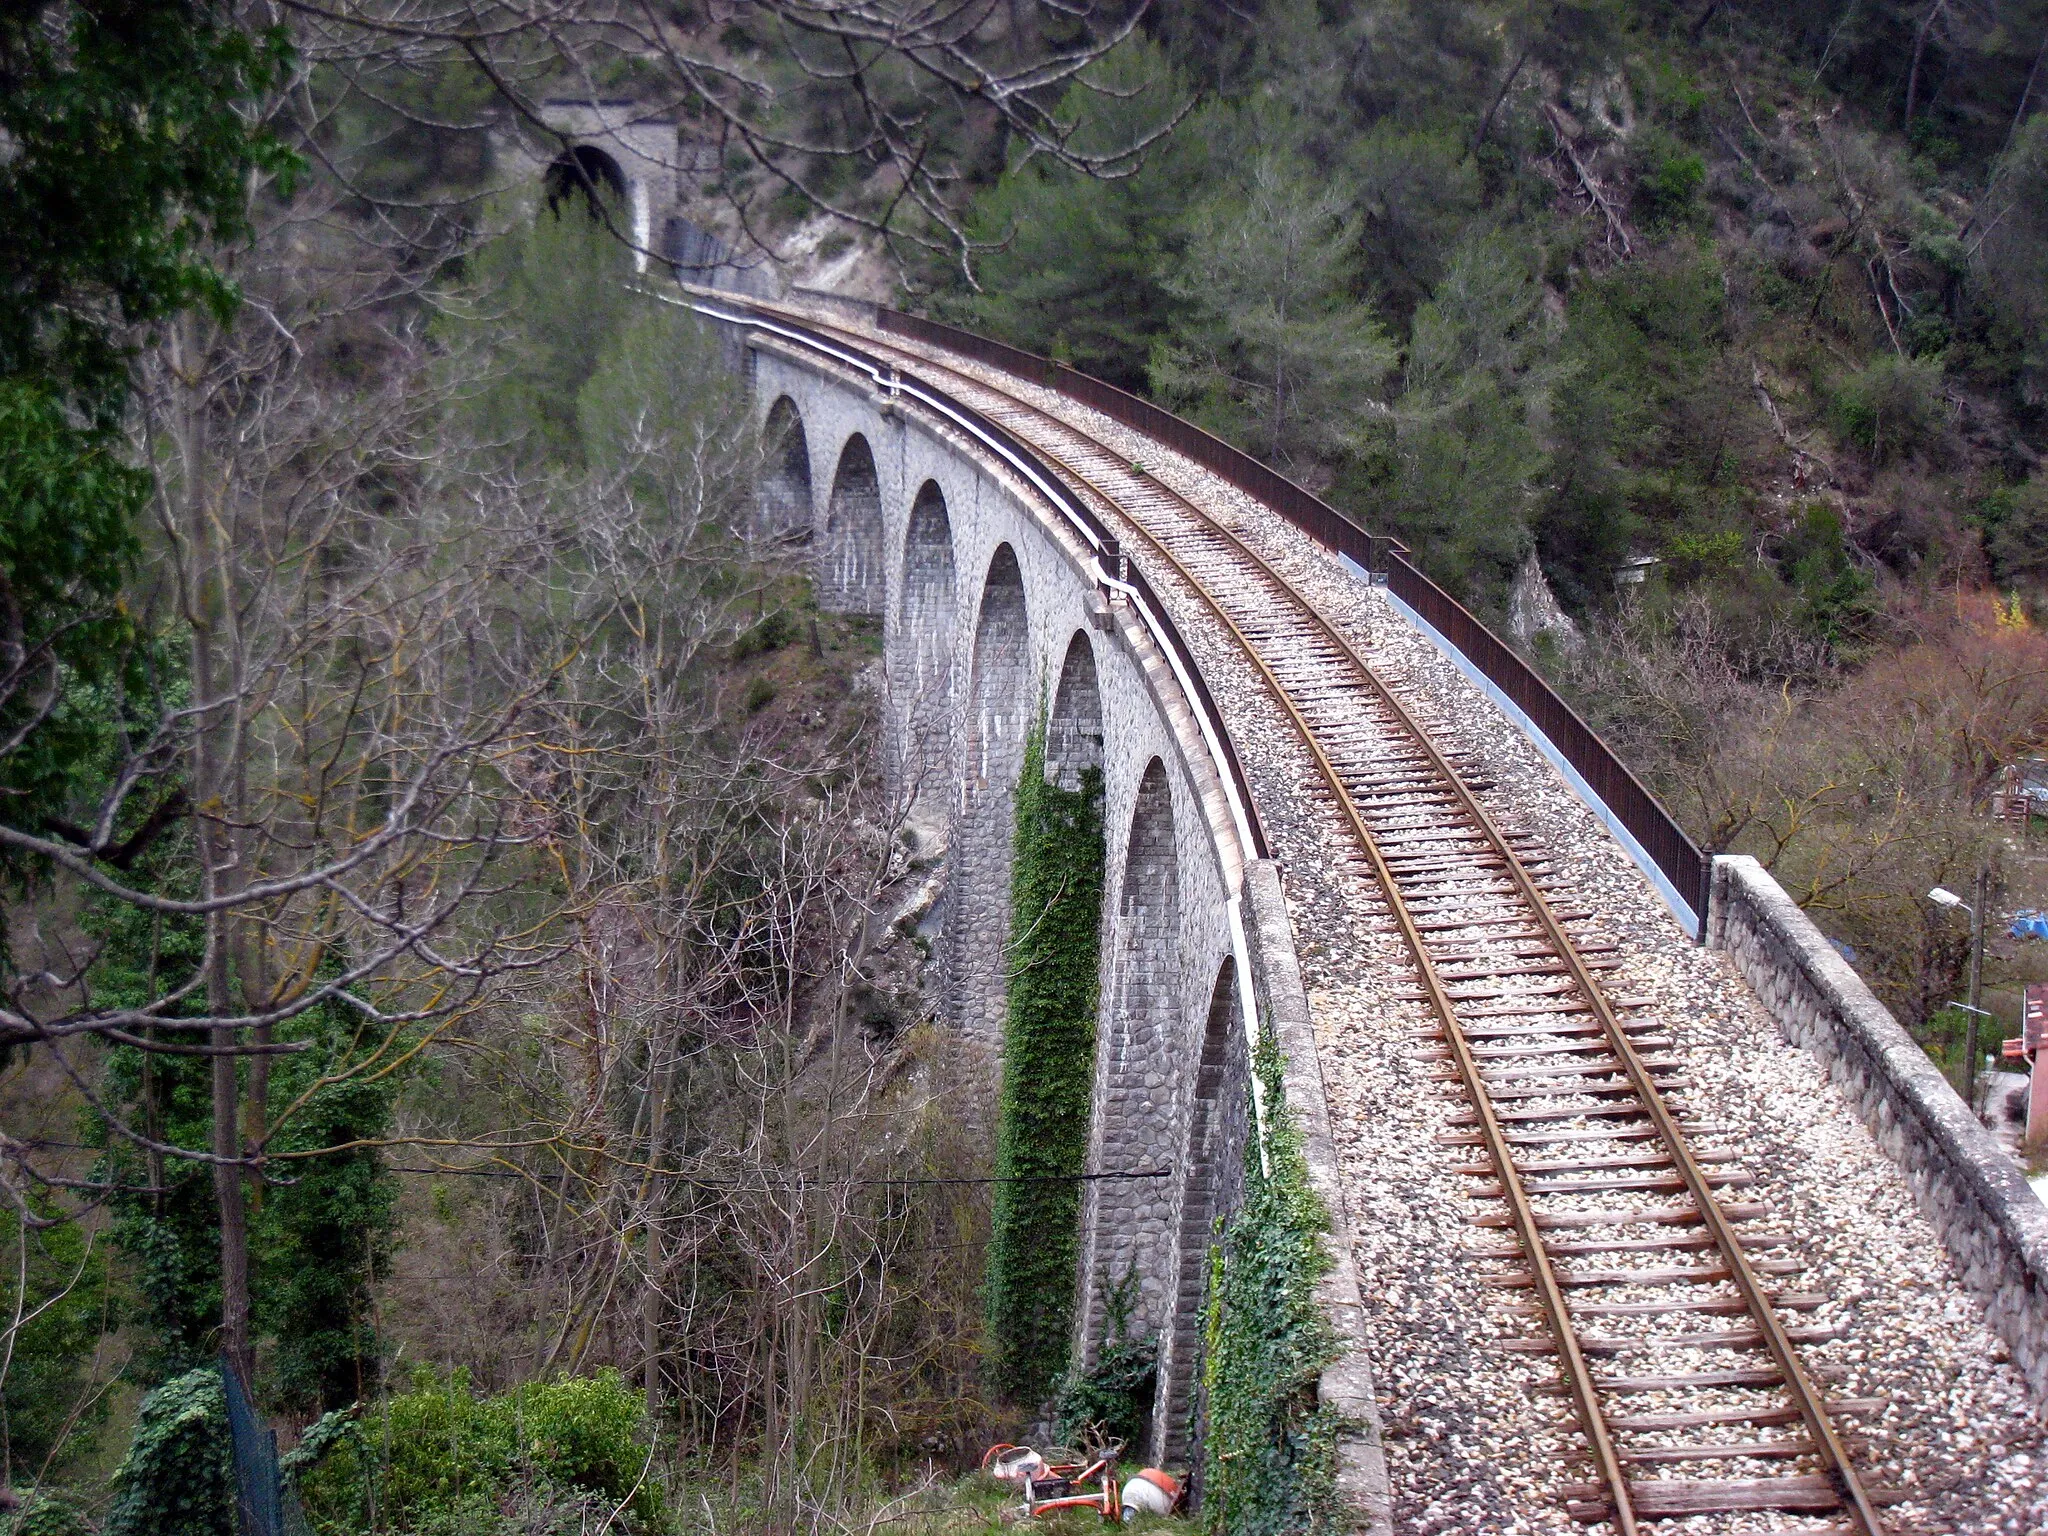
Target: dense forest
<point x="460" y="957"/>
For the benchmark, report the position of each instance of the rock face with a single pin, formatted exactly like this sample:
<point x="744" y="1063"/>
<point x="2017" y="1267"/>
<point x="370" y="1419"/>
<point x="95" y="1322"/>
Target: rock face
<point x="1533" y="610"/>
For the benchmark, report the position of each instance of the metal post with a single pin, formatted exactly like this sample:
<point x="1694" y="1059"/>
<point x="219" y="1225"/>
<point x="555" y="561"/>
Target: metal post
<point x="1976" y="981"/>
<point x="2033" y="1038"/>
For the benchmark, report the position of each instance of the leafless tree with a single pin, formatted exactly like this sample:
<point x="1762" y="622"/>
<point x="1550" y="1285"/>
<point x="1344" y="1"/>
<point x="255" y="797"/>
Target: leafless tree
<point x="872" y="112"/>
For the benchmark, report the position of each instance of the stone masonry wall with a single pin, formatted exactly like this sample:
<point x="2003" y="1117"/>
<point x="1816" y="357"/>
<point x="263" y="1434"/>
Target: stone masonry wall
<point x="1128" y="1225"/>
<point x="1990" y="1220"/>
<point x="849" y="560"/>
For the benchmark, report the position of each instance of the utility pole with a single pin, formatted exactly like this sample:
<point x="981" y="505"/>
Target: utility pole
<point x="1947" y="898"/>
<point x="1976" y="982"/>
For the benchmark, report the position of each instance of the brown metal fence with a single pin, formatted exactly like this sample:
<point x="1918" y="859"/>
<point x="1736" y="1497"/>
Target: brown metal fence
<point x="1653" y="827"/>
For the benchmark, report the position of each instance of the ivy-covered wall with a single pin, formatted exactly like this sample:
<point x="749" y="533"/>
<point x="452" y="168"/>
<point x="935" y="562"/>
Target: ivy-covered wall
<point x="1048" y="1074"/>
<point x="1270" y="1452"/>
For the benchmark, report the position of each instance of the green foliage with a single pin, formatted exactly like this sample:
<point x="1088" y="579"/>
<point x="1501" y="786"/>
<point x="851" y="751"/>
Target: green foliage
<point x="657" y="388"/>
<point x="1669" y="178"/>
<point x="2014" y="255"/>
<point x="318" y="1241"/>
<point x="178" y="1476"/>
<point x="1419" y="190"/>
<point x="128" y="151"/>
<point x="1075" y="266"/>
<point x="1893" y="408"/>
<point x="1279" y="355"/>
<point x="1466" y="462"/>
<point x="2014" y="519"/>
<point x="1112" y="1399"/>
<point x="1945" y="1036"/>
<point x="50" y="1404"/>
<point x="549" y="299"/>
<point x="775" y="630"/>
<point x="1048" y="1050"/>
<point x="318" y="1232"/>
<point x="1652" y="436"/>
<point x="436" y="1454"/>
<point x="1692" y="556"/>
<point x="66" y="539"/>
<point x="48" y="1514"/>
<point x="1271" y="1448"/>
<point x="1834" y="592"/>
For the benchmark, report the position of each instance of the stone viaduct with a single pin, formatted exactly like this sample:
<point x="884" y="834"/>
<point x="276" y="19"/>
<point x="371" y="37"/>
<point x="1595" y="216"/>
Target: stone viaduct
<point x="995" y="606"/>
<point x="1000" y="597"/>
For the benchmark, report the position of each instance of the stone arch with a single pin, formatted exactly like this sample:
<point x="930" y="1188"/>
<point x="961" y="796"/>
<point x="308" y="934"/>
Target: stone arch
<point x="850" y="577"/>
<point x="930" y="599"/>
<point x="1212" y="1174"/>
<point x="585" y="176"/>
<point x="785" y="501"/>
<point x="996" y="718"/>
<point x="1130" y="1224"/>
<point x="1073" y="726"/>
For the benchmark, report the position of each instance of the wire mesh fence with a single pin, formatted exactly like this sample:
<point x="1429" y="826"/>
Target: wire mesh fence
<point x="265" y="1504"/>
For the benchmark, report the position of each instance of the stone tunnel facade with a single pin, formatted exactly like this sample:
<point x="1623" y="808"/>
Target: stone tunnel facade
<point x="990" y="612"/>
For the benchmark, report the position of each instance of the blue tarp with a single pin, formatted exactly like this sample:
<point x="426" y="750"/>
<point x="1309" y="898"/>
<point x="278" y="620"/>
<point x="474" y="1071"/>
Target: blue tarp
<point x="2030" y="925"/>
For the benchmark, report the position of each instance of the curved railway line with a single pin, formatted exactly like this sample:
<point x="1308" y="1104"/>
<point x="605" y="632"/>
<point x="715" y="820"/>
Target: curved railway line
<point x="1612" y="1215"/>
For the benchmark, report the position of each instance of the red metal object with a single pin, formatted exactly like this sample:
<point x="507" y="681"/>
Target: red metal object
<point x="2033" y="1037"/>
<point x="1053" y="1486"/>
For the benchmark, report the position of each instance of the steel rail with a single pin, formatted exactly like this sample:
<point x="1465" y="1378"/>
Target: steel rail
<point x="1829" y="1448"/>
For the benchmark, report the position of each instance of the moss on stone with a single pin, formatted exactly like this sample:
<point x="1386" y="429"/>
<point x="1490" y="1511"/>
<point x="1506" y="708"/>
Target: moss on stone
<point x="1271" y="1449"/>
<point x="1048" y="1075"/>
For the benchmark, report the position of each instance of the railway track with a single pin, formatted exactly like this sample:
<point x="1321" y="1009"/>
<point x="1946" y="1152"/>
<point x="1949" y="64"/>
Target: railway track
<point x="1656" y="1295"/>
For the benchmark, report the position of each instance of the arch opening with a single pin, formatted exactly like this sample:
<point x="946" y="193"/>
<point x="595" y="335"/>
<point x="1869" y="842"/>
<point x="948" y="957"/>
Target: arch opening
<point x="925" y="640"/>
<point x="994" y="724"/>
<point x="1073" y="726"/>
<point x="584" y="176"/>
<point x="1213" y="1186"/>
<point x="1129" y="1230"/>
<point x="850" y="575"/>
<point x="784" y="501"/>
<point x="1002" y="635"/>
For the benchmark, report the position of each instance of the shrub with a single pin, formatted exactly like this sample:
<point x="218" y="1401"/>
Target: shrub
<point x="2015" y="523"/>
<point x="47" y="1515"/>
<point x="1112" y="1400"/>
<point x="178" y="1476"/>
<point x="439" y="1455"/>
<point x="50" y="1405"/>
<point x="1668" y="181"/>
<point x="1892" y="409"/>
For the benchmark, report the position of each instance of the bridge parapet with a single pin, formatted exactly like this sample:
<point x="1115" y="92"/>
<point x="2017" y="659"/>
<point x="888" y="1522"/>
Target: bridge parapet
<point x="1992" y="1222"/>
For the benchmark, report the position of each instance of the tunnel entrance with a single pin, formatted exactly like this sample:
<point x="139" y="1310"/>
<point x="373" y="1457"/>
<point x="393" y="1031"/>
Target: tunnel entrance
<point x="585" y="177"/>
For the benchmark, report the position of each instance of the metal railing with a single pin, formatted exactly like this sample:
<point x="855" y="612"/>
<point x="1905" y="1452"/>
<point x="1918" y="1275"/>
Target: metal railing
<point x="1656" y="831"/>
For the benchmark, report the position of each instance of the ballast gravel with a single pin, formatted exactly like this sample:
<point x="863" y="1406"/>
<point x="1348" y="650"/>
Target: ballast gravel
<point x="1477" y="1438"/>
